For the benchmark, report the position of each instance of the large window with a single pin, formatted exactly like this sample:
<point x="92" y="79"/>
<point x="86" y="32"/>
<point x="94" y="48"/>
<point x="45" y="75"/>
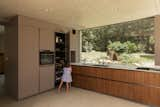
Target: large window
<point x="130" y="43"/>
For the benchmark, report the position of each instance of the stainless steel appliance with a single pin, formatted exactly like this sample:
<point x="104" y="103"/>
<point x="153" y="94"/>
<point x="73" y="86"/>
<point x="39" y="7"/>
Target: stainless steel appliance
<point x="46" y="57"/>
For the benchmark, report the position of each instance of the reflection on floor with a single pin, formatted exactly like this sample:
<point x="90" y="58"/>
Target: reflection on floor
<point x="2" y="83"/>
<point x="76" y="98"/>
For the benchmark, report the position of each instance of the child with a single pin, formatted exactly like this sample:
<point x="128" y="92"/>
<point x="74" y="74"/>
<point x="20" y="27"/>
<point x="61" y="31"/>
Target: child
<point x="66" y="77"/>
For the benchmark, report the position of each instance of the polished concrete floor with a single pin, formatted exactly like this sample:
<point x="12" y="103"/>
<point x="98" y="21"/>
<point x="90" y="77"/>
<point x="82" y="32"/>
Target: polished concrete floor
<point x="2" y="85"/>
<point x="75" y="98"/>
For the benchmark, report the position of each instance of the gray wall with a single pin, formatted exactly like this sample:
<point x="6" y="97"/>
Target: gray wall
<point x="11" y="52"/>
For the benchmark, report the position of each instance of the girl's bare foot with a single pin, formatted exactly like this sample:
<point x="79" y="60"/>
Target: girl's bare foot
<point x="59" y="90"/>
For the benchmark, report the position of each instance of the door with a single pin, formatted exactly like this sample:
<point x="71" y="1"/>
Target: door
<point x="46" y="77"/>
<point x="28" y="61"/>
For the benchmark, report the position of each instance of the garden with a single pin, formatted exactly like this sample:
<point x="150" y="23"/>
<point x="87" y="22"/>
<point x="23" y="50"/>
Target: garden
<point x="129" y="43"/>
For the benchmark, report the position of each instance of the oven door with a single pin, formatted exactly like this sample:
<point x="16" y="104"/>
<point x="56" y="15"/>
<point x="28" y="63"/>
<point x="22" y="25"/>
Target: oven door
<point x="46" y="58"/>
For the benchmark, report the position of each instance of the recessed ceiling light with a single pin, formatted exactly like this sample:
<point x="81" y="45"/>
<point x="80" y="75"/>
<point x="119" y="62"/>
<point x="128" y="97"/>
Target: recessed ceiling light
<point x="46" y="10"/>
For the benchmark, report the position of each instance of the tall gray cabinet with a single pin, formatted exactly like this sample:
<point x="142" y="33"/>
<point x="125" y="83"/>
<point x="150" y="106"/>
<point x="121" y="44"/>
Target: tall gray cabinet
<point x="47" y="72"/>
<point x="25" y="38"/>
<point x="28" y="61"/>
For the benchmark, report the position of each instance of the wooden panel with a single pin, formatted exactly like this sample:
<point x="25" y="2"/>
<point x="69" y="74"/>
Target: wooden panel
<point x="76" y="80"/>
<point x="47" y="39"/>
<point x="122" y="75"/>
<point x="91" y="72"/>
<point x="134" y="85"/>
<point x="154" y="96"/>
<point x="152" y="79"/>
<point x="75" y="69"/>
<point x="92" y="84"/>
<point x="46" y="78"/>
<point x="28" y="62"/>
<point x="100" y="86"/>
<point x="106" y="73"/>
<point x="140" y="77"/>
<point x="141" y="94"/>
<point x="147" y="78"/>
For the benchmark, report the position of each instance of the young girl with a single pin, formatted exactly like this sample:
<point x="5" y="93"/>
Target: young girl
<point x="66" y="77"/>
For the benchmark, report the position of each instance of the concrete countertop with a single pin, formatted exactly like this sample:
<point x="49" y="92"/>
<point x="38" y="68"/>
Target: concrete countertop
<point x="118" y="66"/>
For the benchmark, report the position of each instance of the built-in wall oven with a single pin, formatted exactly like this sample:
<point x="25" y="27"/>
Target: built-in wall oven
<point x="46" y="57"/>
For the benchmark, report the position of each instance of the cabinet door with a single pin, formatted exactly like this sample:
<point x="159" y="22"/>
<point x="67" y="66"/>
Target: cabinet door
<point x="28" y="62"/>
<point x="100" y="85"/>
<point x="47" y="39"/>
<point x="154" y="96"/>
<point x="141" y="94"/>
<point x="46" y="77"/>
<point x="122" y="75"/>
<point x="119" y="89"/>
<point x="75" y="69"/>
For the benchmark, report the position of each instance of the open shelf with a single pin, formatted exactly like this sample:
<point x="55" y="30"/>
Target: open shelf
<point x="61" y="54"/>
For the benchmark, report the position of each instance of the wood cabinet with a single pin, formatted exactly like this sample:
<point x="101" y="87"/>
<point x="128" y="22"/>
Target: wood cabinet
<point x="141" y="94"/>
<point x="122" y="75"/>
<point x="138" y="86"/>
<point x="46" y="77"/>
<point x="47" y="41"/>
<point x="28" y="79"/>
<point x="100" y="87"/>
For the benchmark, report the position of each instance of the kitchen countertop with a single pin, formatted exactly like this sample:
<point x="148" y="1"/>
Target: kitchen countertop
<point x="155" y="69"/>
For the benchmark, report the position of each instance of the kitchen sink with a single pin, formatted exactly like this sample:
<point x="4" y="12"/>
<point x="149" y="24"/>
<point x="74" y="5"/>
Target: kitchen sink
<point x="99" y="65"/>
<point x="148" y="68"/>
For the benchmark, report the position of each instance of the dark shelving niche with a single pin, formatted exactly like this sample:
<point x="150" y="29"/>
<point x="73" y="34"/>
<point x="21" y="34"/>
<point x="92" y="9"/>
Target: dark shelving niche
<point x="61" y="54"/>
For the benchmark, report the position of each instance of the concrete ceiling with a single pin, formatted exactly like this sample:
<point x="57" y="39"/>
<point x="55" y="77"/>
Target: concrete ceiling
<point x="80" y="13"/>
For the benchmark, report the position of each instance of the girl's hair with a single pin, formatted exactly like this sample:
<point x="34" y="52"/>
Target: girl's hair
<point x="67" y="65"/>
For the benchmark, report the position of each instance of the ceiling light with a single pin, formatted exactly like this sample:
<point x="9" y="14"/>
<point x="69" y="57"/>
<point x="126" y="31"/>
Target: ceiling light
<point x="46" y="10"/>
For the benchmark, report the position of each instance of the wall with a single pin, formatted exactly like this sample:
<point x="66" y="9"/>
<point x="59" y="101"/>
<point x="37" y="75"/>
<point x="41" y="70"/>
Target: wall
<point x="157" y="39"/>
<point x="11" y="46"/>
<point x="75" y="44"/>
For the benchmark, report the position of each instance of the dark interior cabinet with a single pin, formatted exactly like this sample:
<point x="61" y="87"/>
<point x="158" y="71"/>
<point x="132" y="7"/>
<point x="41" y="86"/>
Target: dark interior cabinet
<point x="61" y="54"/>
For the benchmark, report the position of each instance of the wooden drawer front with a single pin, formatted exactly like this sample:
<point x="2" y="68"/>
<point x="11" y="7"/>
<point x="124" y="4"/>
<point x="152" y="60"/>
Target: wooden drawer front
<point x="147" y="95"/>
<point x="107" y="73"/>
<point x="147" y="78"/>
<point x="83" y="70"/>
<point x="101" y="86"/>
<point x="141" y="94"/>
<point x="122" y="75"/>
<point x="89" y="71"/>
<point x="119" y="89"/>
<point x="139" y="77"/>
<point x="152" y="79"/>
<point x="154" y="98"/>
<point x="84" y="82"/>
<point x="75" y="69"/>
<point x="77" y="80"/>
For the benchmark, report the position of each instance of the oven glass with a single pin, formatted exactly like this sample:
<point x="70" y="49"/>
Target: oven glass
<point x="46" y="58"/>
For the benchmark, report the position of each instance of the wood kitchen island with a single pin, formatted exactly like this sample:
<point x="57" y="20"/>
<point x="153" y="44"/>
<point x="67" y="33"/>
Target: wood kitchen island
<point x="137" y="85"/>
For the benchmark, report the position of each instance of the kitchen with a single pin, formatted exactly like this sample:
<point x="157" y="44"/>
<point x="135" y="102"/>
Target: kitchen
<point x="37" y="49"/>
<point x="36" y="54"/>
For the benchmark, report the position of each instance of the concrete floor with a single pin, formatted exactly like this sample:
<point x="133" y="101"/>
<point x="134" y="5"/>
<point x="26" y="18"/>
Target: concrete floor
<point x="2" y="83"/>
<point x="76" y="98"/>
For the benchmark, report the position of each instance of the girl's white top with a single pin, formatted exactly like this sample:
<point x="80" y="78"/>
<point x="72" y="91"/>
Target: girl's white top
<point x="66" y="77"/>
